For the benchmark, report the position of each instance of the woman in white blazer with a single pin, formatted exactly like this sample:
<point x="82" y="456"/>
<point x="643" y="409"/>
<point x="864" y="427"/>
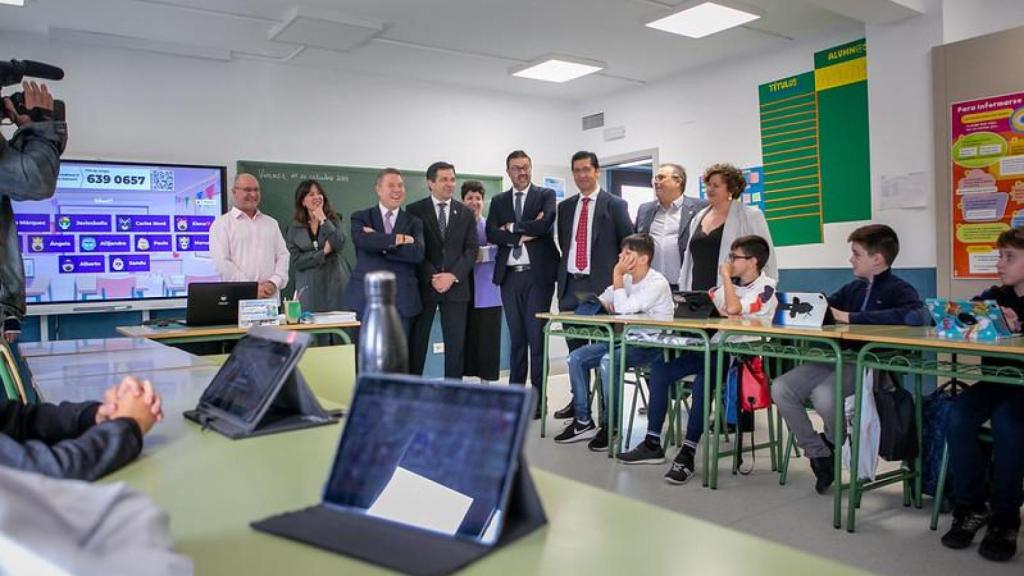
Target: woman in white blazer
<point x="713" y="229"/>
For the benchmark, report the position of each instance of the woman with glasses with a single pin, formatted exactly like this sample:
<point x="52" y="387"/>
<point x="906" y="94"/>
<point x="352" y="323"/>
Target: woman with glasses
<point x="483" y="327"/>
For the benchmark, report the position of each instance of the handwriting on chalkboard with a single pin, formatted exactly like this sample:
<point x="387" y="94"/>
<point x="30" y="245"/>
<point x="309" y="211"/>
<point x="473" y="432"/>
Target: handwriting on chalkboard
<point x="265" y="174"/>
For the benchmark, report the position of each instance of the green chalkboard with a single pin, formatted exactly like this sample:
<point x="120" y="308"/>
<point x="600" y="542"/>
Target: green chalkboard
<point x="349" y="188"/>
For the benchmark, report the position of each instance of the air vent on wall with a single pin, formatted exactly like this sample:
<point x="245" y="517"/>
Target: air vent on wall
<point x="593" y="121"/>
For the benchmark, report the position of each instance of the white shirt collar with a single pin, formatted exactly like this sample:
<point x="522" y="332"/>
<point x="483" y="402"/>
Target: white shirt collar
<point x="384" y="210"/>
<point x="524" y="190"/>
<point x="237" y="213"/>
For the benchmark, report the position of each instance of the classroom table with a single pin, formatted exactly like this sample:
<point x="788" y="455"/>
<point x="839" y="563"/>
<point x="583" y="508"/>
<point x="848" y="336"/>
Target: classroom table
<point x="181" y="334"/>
<point x="113" y="362"/>
<point x="213" y="487"/>
<point x="85" y="346"/>
<point x="910" y="350"/>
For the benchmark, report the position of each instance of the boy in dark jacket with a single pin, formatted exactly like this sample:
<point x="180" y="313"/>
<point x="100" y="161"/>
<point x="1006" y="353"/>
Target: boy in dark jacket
<point x="1003" y="406"/>
<point x="877" y="296"/>
<point x="83" y="441"/>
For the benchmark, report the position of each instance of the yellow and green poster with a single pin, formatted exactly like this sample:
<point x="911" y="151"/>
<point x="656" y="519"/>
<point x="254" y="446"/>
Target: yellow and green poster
<point x="814" y="146"/>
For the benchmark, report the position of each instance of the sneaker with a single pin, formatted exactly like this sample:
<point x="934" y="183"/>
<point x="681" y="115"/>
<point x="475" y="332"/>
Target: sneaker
<point x="565" y="413"/>
<point x="1000" y="542"/>
<point x="824" y="472"/>
<point x="966" y="523"/>
<point x="644" y="453"/>
<point x="682" y="467"/>
<point x="576" y="432"/>
<point x="600" y="441"/>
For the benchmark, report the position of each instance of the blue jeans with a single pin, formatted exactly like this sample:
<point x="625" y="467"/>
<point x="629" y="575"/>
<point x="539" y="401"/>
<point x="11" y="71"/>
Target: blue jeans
<point x="664" y="376"/>
<point x="1003" y="404"/>
<point x="586" y="358"/>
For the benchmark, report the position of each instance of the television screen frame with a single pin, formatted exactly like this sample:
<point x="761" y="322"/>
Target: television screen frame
<point x="124" y="304"/>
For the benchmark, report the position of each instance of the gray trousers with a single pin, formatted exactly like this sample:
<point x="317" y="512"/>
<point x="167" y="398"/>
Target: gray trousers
<point x="814" y="382"/>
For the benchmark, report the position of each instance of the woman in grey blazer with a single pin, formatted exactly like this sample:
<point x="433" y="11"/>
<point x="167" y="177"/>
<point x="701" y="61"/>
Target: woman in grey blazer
<point x="713" y="229"/>
<point x="315" y="240"/>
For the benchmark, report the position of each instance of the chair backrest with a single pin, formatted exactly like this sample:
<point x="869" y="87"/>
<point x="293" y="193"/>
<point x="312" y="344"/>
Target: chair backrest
<point x="14" y="388"/>
<point x="116" y="287"/>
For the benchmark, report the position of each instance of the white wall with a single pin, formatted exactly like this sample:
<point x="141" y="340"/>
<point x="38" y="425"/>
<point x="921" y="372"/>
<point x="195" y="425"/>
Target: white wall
<point x="143" y="106"/>
<point x="963" y="19"/>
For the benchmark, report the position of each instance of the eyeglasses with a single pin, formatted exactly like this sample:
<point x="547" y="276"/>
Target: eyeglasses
<point x="663" y="177"/>
<point x="248" y="188"/>
<point x="735" y="257"/>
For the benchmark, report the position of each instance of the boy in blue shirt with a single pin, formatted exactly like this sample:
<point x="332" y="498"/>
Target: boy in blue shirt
<point x="1003" y="406"/>
<point x="877" y="296"/>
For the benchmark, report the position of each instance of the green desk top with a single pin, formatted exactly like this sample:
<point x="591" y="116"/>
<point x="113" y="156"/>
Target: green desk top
<point x="214" y="487"/>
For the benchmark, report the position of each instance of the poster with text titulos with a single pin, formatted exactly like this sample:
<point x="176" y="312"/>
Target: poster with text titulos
<point x="987" y="179"/>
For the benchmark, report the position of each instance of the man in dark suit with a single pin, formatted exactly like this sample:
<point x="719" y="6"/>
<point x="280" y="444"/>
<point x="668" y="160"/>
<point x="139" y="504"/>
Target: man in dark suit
<point x="451" y="247"/>
<point x="388" y="238"/>
<point x="667" y="220"/>
<point x="591" y="226"/>
<point x="521" y="222"/>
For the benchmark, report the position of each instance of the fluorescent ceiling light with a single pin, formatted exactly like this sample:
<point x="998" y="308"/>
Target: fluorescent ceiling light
<point x="700" y="19"/>
<point x="13" y="2"/>
<point x="557" y="69"/>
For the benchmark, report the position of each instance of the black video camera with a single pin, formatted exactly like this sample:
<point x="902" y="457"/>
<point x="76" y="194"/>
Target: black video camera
<point x="13" y="72"/>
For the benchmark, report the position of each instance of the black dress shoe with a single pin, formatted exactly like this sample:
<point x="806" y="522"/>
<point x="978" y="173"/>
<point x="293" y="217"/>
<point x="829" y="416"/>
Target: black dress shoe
<point x="565" y="413"/>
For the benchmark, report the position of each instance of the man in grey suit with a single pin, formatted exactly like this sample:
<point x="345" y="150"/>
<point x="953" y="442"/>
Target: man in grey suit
<point x="667" y="220"/>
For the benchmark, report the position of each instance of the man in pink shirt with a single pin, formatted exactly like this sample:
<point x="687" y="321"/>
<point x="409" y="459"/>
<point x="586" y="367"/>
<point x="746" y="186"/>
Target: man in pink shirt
<point x="246" y="245"/>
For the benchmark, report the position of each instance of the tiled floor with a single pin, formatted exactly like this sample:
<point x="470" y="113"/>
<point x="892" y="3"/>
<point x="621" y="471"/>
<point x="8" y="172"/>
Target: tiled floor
<point x="890" y="539"/>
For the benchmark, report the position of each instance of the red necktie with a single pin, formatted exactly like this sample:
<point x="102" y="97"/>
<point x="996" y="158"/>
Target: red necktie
<point x="581" y="236"/>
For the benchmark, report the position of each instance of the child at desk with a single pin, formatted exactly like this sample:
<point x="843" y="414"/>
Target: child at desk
<point x="82" y="441"/>
<point x="636" y="289"/>
<point x="876" y="296"/>
<point x="1003" y="406"/>
<point x="744" y="291"/>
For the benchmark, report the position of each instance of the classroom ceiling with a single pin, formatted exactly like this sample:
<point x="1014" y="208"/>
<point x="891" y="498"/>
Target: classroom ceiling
<point x="469" y="43"/>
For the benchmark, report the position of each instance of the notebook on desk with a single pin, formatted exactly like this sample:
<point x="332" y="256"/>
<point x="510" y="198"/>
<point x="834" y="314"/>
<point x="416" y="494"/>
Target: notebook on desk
<point x="968" y="319"/>
<point x="425" y="494"/>
<point x="216" y="303"/>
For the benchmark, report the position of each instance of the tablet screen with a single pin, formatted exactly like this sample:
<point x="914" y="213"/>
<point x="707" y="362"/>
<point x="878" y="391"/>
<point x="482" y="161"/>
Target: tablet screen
<point x="246" y="379"/>
<point x="427" y="454"/>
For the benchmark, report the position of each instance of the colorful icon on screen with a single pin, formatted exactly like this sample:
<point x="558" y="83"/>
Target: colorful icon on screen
<point x="37" y="244"/>
<point x="67" y="265"/>
<point x="142" y="244"/>
<point x="88" y="243"/>
<point x="183" y="242"/>
<point x="117" y="264"/>
<point x="124" y="223"/>
<point x="182" y="224"/>
<point x="64" y="222"/>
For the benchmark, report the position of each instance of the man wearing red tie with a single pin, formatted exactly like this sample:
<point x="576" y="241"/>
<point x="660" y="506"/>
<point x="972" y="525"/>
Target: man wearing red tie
<point x="591" y="226"/>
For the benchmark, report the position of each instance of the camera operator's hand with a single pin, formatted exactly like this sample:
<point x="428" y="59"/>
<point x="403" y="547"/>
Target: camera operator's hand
<point x="36" y="96"/>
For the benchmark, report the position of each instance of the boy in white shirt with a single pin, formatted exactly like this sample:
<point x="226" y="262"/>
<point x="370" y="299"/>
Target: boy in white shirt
<point x="744" y="291"/>
<point x="636" y="289"/>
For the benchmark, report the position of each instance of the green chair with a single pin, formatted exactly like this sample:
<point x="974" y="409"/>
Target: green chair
<point x="14" y="388"/>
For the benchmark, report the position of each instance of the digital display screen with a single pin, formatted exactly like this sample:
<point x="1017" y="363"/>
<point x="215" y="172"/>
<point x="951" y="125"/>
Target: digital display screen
<point x="120" y="232"/>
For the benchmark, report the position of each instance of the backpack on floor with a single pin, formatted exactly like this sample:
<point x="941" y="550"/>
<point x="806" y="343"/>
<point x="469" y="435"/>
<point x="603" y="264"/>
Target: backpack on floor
<point x="898" y="440"/>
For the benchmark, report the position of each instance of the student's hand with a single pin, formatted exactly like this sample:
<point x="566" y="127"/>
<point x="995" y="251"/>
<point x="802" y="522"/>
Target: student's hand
<point x="625" y="264"/>
<point x="840" y="316"/>
<point x="401" y="239"/>
<point x="1011" y="318"/>
<point x="725" y="271"/>
<point x="317" y="214"/>
<point x="266" y="289"/>
<point x="327" y="247"/>
<point x="135" y="407"/>
<point x="130" y="386"/>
